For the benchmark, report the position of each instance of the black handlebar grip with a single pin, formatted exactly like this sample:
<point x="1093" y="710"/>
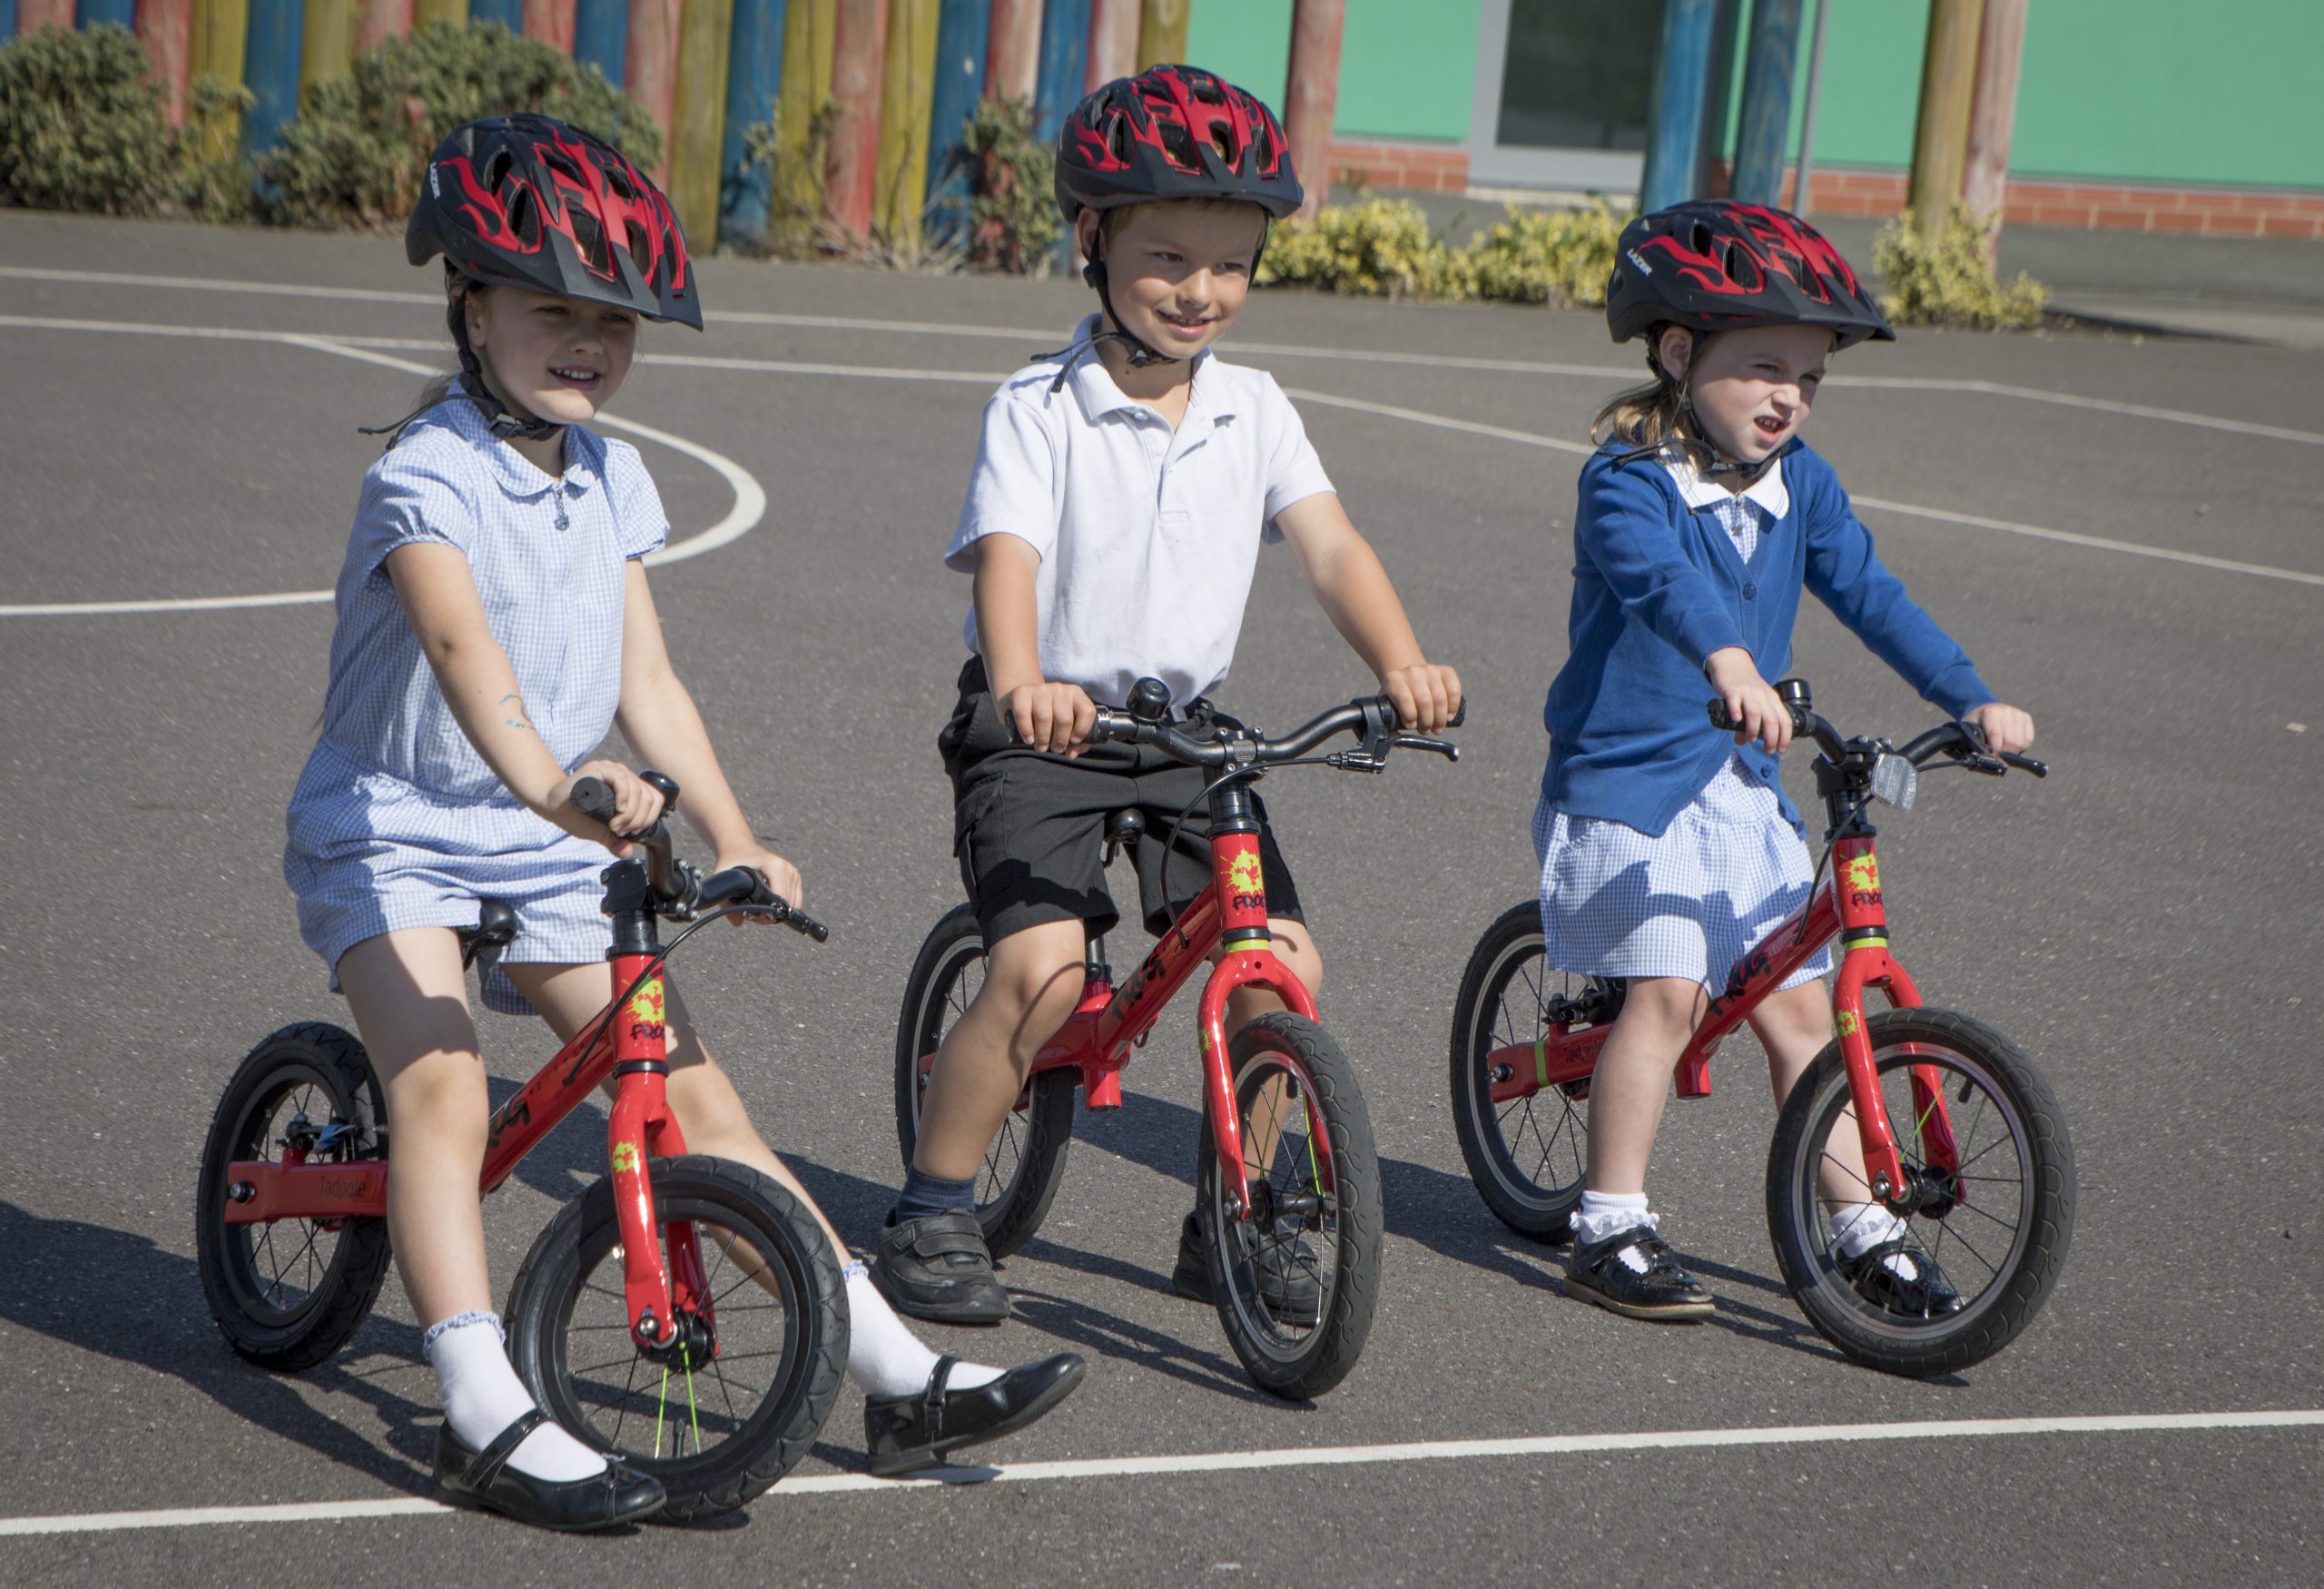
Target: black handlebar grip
<point x="1460" y="714"/>
<point x="1719" y="719"/>
<point x="800" y="921"/>
<point x="594" y="798"/>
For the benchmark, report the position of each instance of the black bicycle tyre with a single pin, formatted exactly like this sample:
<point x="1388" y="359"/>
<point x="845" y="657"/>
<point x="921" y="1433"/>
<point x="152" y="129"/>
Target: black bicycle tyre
<point x="1034" y="1136"/>
<point x="2041" y="1166"/>
<point x="1309" y="1365"/>
<point x="814" y="1360"/>
<point x="305" y="1331"/>
<point x="1501" y="962"/>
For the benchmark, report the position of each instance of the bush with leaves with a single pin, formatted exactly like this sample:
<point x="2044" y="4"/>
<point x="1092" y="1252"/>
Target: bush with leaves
<point x="82" y="126"/>
<point x="1013" y="220"/>
<point x="1950" y="283"/>
<point x="1382" y="247"/>
<point x="353" y="154"/>
<point x="1562" y="257"/>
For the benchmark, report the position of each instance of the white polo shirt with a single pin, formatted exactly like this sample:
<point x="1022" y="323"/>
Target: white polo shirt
<point x="1147" y="538"/>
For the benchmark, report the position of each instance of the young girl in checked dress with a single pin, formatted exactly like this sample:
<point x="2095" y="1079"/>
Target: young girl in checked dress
<point x="1665" y="849"/>
<point x="494" y="622"/>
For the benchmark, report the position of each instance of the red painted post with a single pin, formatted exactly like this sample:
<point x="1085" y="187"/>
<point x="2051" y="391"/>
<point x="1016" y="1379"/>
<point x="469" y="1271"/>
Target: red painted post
<point x="1312" y="101"/>
<point x="1012" y="50"/>
<point x="167" y="28"/>
<point x="551" y="22"/>
<point x="32" y="15"/>
<point x="651" y="73"/>
<point x="377" y="21"/>
<point x="1113" y="42"/>
<point x="1992" y="117"/>
<point x="851" y="167"/>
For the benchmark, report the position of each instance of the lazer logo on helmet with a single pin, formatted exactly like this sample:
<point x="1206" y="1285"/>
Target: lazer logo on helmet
<point x="1638" y="260"/>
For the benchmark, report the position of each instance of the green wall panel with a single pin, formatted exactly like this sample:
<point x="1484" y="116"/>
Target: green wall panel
<point x="1407" y="67"/>
<point x="1246" y="41"/>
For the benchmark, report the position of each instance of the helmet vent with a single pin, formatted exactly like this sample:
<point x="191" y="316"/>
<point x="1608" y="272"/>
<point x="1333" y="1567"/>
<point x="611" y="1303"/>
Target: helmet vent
<point x="1221" y="138"/>
<point x="641" y="246"/>
<point x="589" y="239"/>
<point x="1178" y="144"/>
<point x="618" y="179"/>
<point x="1121" y="140"/>
<point x="557" y="160"/>
<point x="524" y="216"/>
<point x="495" y="171"/>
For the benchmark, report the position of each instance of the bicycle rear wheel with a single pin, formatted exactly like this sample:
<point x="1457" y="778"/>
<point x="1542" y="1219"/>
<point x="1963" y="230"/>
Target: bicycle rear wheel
<point x="291" y="1293"/>
<point x="1525" y="1155"/>
<point x="1025" y="1159"/>
<point x="1997" y="1224"/>
<point x="740" y="1396"/>
<point x="1314" y="1181"/>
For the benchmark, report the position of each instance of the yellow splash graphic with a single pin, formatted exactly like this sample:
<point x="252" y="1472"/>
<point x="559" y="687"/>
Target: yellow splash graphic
<point x="1243" y="872"/>
<point x="1861" y="874"/>
<point x="646" y="1005"/>
<point x="624" y="1157"/>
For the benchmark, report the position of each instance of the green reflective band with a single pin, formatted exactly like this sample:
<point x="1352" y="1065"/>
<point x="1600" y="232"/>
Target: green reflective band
<point x="1868" y="944"/>
<point x="1240" y="943"/>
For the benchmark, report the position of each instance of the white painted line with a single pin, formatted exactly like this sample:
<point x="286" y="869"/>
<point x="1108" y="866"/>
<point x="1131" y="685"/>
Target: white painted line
<point x="1037" y="335"/>
<point x="1257" y="1461"/>
<point x="748" y="510"/>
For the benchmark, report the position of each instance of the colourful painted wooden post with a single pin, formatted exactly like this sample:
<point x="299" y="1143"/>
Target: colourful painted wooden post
<point x="1162" y="32"/>
<point x="326" y="41"/>
<point x="166" y="26"/>
<point x="960" y="37"/>
<point x="220" y="33"/>
<point x="32" y="15"/>
<point x="121" y="14"/>
<point x="1941" y="137"/>
<point x="377" y="21"/>
<point x="7" y="20"/>
<point x="271" y="70"/>
<point x="908" y="86"/>
<point x="754" y="76"/>
<point x="1312" y="102"/>
<point x="1113" y="42"/>
<point x="1675" y="124"/>
<point x="508" y="14"/>
<point x="1065" y="42"/>
<point x="1766" y="126"/>
<point x="427" y="12"/>
<point x="551" y="22"/>
<point x="601" y="35"/>
<point x="698" y="132"/>
<point x="1012" y="50"/>
<point x="651" y="73"/>
<point x="1992" y="117"/>
<point x="807" y="36"/>
<point x="859" y="40"/>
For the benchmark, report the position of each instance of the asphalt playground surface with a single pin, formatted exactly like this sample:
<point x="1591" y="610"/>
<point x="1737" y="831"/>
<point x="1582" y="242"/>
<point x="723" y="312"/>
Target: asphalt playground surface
<point x="2123" y="533"/>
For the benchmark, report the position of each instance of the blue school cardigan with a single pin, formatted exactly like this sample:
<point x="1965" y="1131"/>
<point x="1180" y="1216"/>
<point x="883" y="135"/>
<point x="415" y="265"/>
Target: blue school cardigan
<point x="1657" y="587"/>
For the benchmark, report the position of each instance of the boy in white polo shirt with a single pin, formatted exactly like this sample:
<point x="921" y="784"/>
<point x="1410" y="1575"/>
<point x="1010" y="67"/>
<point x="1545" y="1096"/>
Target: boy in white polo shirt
<point x="1122" y="490"/>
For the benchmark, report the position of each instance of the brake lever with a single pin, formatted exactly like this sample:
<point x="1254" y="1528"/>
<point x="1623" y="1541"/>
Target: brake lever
<point x="1445" y="749"/>
<point x="2026" y="764"/>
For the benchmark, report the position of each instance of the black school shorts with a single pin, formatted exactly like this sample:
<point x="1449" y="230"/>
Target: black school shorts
<point x="1028" y="827"/>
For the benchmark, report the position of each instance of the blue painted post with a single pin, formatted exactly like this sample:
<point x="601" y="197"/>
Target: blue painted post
<point x="7" y="20"/>
<point x="960" y="29"/>
<point x="120" y="12"/>
<point x="271" y="71"/>
<point x="508" y="14"/>
<point x="754" y="76"/>
<point x="1766" y="101"/>
<point x="1057" y="83"/>
<point x="1682" y="84"/>
<point x="601" y="36"/>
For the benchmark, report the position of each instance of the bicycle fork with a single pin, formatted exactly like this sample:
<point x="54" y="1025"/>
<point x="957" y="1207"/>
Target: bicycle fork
<point x="1867" y="963"/>
<point x="668" y="1307"/>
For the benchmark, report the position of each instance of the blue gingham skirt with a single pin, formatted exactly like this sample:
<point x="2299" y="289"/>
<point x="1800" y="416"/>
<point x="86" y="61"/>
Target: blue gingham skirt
<point x="370" y="853"/>
<point x="1617" y="904"/>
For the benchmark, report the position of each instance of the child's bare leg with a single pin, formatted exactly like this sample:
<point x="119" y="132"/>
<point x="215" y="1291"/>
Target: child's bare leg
<point x="1632" y="1079"/>
<point x="1032" y="981"/>
<point x="1296" y="950"/>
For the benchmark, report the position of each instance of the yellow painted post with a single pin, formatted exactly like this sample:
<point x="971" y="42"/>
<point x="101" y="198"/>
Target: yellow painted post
<point x="705" y="35"/>
<point x="809" y="26"/>
<point x="1941" y="139"/>
<point x="424" y="12"/>
<point x="1162" y="33"/>
<point x="220" y="35"/>
<point x="899" y="185"/>
<point x="326" y="42"/>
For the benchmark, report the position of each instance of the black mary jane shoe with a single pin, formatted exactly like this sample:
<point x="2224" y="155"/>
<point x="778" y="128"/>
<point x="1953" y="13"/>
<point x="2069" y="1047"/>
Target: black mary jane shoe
<point x="1661" y="1290"/>
<point x="483" y="1479"/>
<point x="1898" y="1277"/>
<point x="907" y="1433"/>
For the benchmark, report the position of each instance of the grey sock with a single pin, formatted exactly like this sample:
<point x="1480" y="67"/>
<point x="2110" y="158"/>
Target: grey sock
<point x="925" y="1194"/>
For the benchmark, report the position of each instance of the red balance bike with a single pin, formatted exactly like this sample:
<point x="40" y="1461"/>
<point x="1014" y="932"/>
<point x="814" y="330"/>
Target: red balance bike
<point x="685" y="1311"/>
<point x="1288" y="1177"/>
<point x="1960" y="1137"/>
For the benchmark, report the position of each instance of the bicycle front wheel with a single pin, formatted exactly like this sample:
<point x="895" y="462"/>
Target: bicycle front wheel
<point x="741" y="1395"/>
<point x="1025" y="1161"/>
<point x="1295" y="1284"/>
<point x="1993" y="1213"/>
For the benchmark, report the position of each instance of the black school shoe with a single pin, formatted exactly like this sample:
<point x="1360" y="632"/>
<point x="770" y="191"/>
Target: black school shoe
<point x="1898" y="1277"/>
<point x="937" y="1268"/>
<point x="907" y="1433"/>
<point x="1595" y="1272"/>
<point x="1288" y="1284"/>
<point x="483" y="1479"/>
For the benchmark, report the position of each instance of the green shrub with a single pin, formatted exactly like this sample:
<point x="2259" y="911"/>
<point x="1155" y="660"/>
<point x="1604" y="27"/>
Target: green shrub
<point x="1950" y="285"/>
<point x="1382" y="247"/>
<point x="353" y="154"/>
<point x="794" y="207"/>
<point x="82" y="126"/>
<point x="1548" y="256"/>
<point x="1013" y="220"/>
<point x="215" y="178"/>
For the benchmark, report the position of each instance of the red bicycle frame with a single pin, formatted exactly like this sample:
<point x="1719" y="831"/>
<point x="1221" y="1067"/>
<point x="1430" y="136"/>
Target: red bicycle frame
<point x="1847" y="906"/>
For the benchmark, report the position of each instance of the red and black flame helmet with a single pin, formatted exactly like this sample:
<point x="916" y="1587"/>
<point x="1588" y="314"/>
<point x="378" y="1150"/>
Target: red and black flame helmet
<point x="524" y="201"/>
<point x="1173" y="133"/>
<point x="1713" y="265"/>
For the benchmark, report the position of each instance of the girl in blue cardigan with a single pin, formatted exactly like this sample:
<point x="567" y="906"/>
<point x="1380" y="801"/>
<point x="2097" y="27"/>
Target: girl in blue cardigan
<point x="1665" y="849"/>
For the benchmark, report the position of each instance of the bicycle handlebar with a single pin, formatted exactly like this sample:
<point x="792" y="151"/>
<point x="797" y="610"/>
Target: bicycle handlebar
<point x="1372" y="716"/>
<point x="1960" y="740"/>
<point x="679" y="890"/>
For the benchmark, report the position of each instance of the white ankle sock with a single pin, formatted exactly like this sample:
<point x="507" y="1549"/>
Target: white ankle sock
<point x="483" y="1396"/>
<point x="1603" y="1213"/>
<point x="1857" y="1226"/>
<point x="883" y="1357"/>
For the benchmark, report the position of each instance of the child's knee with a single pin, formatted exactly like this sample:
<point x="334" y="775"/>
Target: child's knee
<point x="1034" y="993"/>
<point x="1296" y="949"/>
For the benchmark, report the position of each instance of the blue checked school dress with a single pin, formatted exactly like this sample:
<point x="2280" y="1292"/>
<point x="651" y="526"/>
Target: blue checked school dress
<point x="1619" y="902"/>
<point x="396" y="821"/>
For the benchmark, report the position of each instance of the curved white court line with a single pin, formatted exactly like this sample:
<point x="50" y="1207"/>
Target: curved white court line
<point x="1250" y="1462"/>
<point x="1042" y="337"/>
<point x="748" y="510"/>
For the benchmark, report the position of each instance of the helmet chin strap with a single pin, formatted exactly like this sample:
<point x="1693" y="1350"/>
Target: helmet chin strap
<point x="1143" y="355"/>
<point x="1723" y="464"/>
